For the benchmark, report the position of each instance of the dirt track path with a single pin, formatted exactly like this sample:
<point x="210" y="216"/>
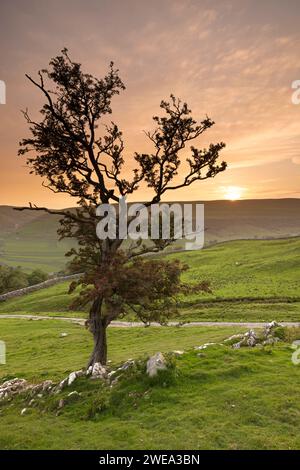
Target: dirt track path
<point x="125" y="324"/>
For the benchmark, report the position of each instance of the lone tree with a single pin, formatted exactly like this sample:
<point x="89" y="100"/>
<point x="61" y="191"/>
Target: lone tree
<point x="67" y="150"/>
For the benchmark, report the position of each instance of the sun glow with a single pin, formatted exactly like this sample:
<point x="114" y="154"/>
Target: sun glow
<point x="233" y="193"/>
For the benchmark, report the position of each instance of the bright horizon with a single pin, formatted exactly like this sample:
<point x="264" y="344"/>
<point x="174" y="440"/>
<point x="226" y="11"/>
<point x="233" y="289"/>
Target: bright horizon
<point x="234" y="61"/>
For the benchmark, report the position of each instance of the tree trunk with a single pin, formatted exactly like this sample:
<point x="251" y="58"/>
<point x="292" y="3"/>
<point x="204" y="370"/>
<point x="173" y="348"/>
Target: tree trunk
<point x="98" y="326"/>
<point x="97" y="322"/>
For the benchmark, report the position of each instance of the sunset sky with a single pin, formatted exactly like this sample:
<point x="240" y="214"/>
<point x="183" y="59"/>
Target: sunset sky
<point x="232" y="60"/>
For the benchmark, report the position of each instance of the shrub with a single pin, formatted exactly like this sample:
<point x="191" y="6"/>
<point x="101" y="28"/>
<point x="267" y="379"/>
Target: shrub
<point x="280" y="333"/>
<point x="36" y="277"/>
<point x="291" y="333"/>
<point x="12" y="279"/>
<point x="98" y="404"/>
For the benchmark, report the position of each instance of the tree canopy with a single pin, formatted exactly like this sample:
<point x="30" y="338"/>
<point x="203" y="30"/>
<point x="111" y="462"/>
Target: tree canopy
<point x="74" y="155"/>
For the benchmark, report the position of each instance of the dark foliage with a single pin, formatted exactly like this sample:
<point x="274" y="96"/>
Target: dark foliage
<point x="67" y="149"/>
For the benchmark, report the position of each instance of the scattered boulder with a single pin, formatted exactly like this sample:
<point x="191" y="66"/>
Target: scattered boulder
<point x="97" y="371"/>
<point x="269" y="328"/>
<point x="62" y="384"/>
<point x="71" y="378"/>
<point x="66" y="382"/>
<point x="63" y="335"/>
<point x="250" y="338"/>
<point x="13" y="387"/>
<point x="42" y="387"/>
<point x="47" y="385"/>
<point x="23" y="411"/>
<point x="156" y="363"/>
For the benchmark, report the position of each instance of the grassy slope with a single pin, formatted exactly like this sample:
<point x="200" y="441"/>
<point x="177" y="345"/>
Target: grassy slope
<point x="254" y="269"/>
<point x="226" y="399"/>
<point x="268" y="271"/>
<point x="47" y="255"/>
<point x="52" y="300"/>
<point x="29" y="239"/>
<point x="262" y="275"/>
<point x="34" y="244"/>
<point x="35" y="349"/>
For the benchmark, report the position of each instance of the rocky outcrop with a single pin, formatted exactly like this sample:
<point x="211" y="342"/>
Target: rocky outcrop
<point x="251" y="339"/>
<point x="97" y="371"/>
<point x="12" y="387"/>
<point x="16" y="386"/>
<point x="154" y="364"/>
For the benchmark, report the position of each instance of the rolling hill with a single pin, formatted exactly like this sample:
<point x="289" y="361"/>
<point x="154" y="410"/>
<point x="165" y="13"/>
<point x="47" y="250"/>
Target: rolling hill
<point x="29" y="238"/>
<point x="251" y="280"/>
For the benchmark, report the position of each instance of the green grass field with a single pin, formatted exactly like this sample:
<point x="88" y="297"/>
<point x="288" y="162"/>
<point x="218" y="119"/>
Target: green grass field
<point x="35" y="349"/>
<point x="225" y="399"/>
<point x="251" y="280"/>
<point x="251" y="269"/>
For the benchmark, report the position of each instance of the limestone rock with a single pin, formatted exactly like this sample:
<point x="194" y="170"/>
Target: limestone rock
<point x="156" y="363"/>
<point x="248" y="339"/>
<point x="47" y="385"/>
<point x="97" y="371"/>
<point x="270" y="326"/>
<point x="72" y="377"/>
<point x="251" y="338"/>
<point x="63" y="384"/>
<point x="13" y="387"/>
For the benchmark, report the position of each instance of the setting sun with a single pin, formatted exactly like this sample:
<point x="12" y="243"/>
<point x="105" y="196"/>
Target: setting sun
<point x="233" y="193"/>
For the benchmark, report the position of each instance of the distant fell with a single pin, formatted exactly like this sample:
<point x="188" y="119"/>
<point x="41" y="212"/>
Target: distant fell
<point x="29" y="238"/>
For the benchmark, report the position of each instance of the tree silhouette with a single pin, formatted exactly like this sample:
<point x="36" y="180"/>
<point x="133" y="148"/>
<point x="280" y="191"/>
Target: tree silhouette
<point x="67" y="150"/>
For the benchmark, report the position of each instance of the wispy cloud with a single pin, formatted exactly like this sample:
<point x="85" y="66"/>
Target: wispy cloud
<point x="233" y="60"/>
